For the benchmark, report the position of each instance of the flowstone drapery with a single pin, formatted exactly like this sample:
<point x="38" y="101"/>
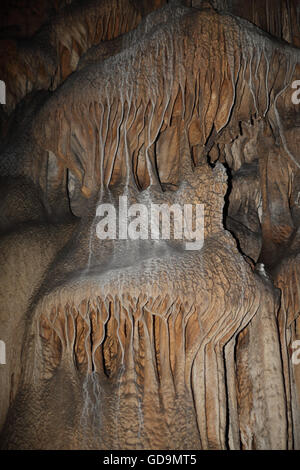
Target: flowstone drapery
<point x="141" y="343"/>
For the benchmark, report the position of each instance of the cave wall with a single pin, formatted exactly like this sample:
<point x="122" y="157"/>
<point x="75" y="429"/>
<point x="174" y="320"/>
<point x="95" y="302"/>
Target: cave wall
<point x="165" y="103"/>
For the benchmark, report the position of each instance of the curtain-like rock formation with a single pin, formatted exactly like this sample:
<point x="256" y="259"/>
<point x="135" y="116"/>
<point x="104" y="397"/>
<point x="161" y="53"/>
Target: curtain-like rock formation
<point x="140" y="343"/>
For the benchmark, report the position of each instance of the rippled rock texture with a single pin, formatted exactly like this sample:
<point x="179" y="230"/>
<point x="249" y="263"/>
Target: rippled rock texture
<point x="142" y="344"/>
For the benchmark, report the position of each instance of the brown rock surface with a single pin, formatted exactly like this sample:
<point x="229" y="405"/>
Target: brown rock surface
<point x="141" y="343"/>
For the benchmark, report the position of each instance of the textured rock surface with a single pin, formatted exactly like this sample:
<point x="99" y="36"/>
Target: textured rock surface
<point x="136" y="344"/>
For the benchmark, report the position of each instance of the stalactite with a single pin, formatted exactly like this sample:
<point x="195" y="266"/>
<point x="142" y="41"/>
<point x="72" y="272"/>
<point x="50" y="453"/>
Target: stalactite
<point x="147" y="337"/>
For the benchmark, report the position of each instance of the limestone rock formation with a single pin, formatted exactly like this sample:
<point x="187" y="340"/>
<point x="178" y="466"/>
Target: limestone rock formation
<point x="127" y="342"/>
